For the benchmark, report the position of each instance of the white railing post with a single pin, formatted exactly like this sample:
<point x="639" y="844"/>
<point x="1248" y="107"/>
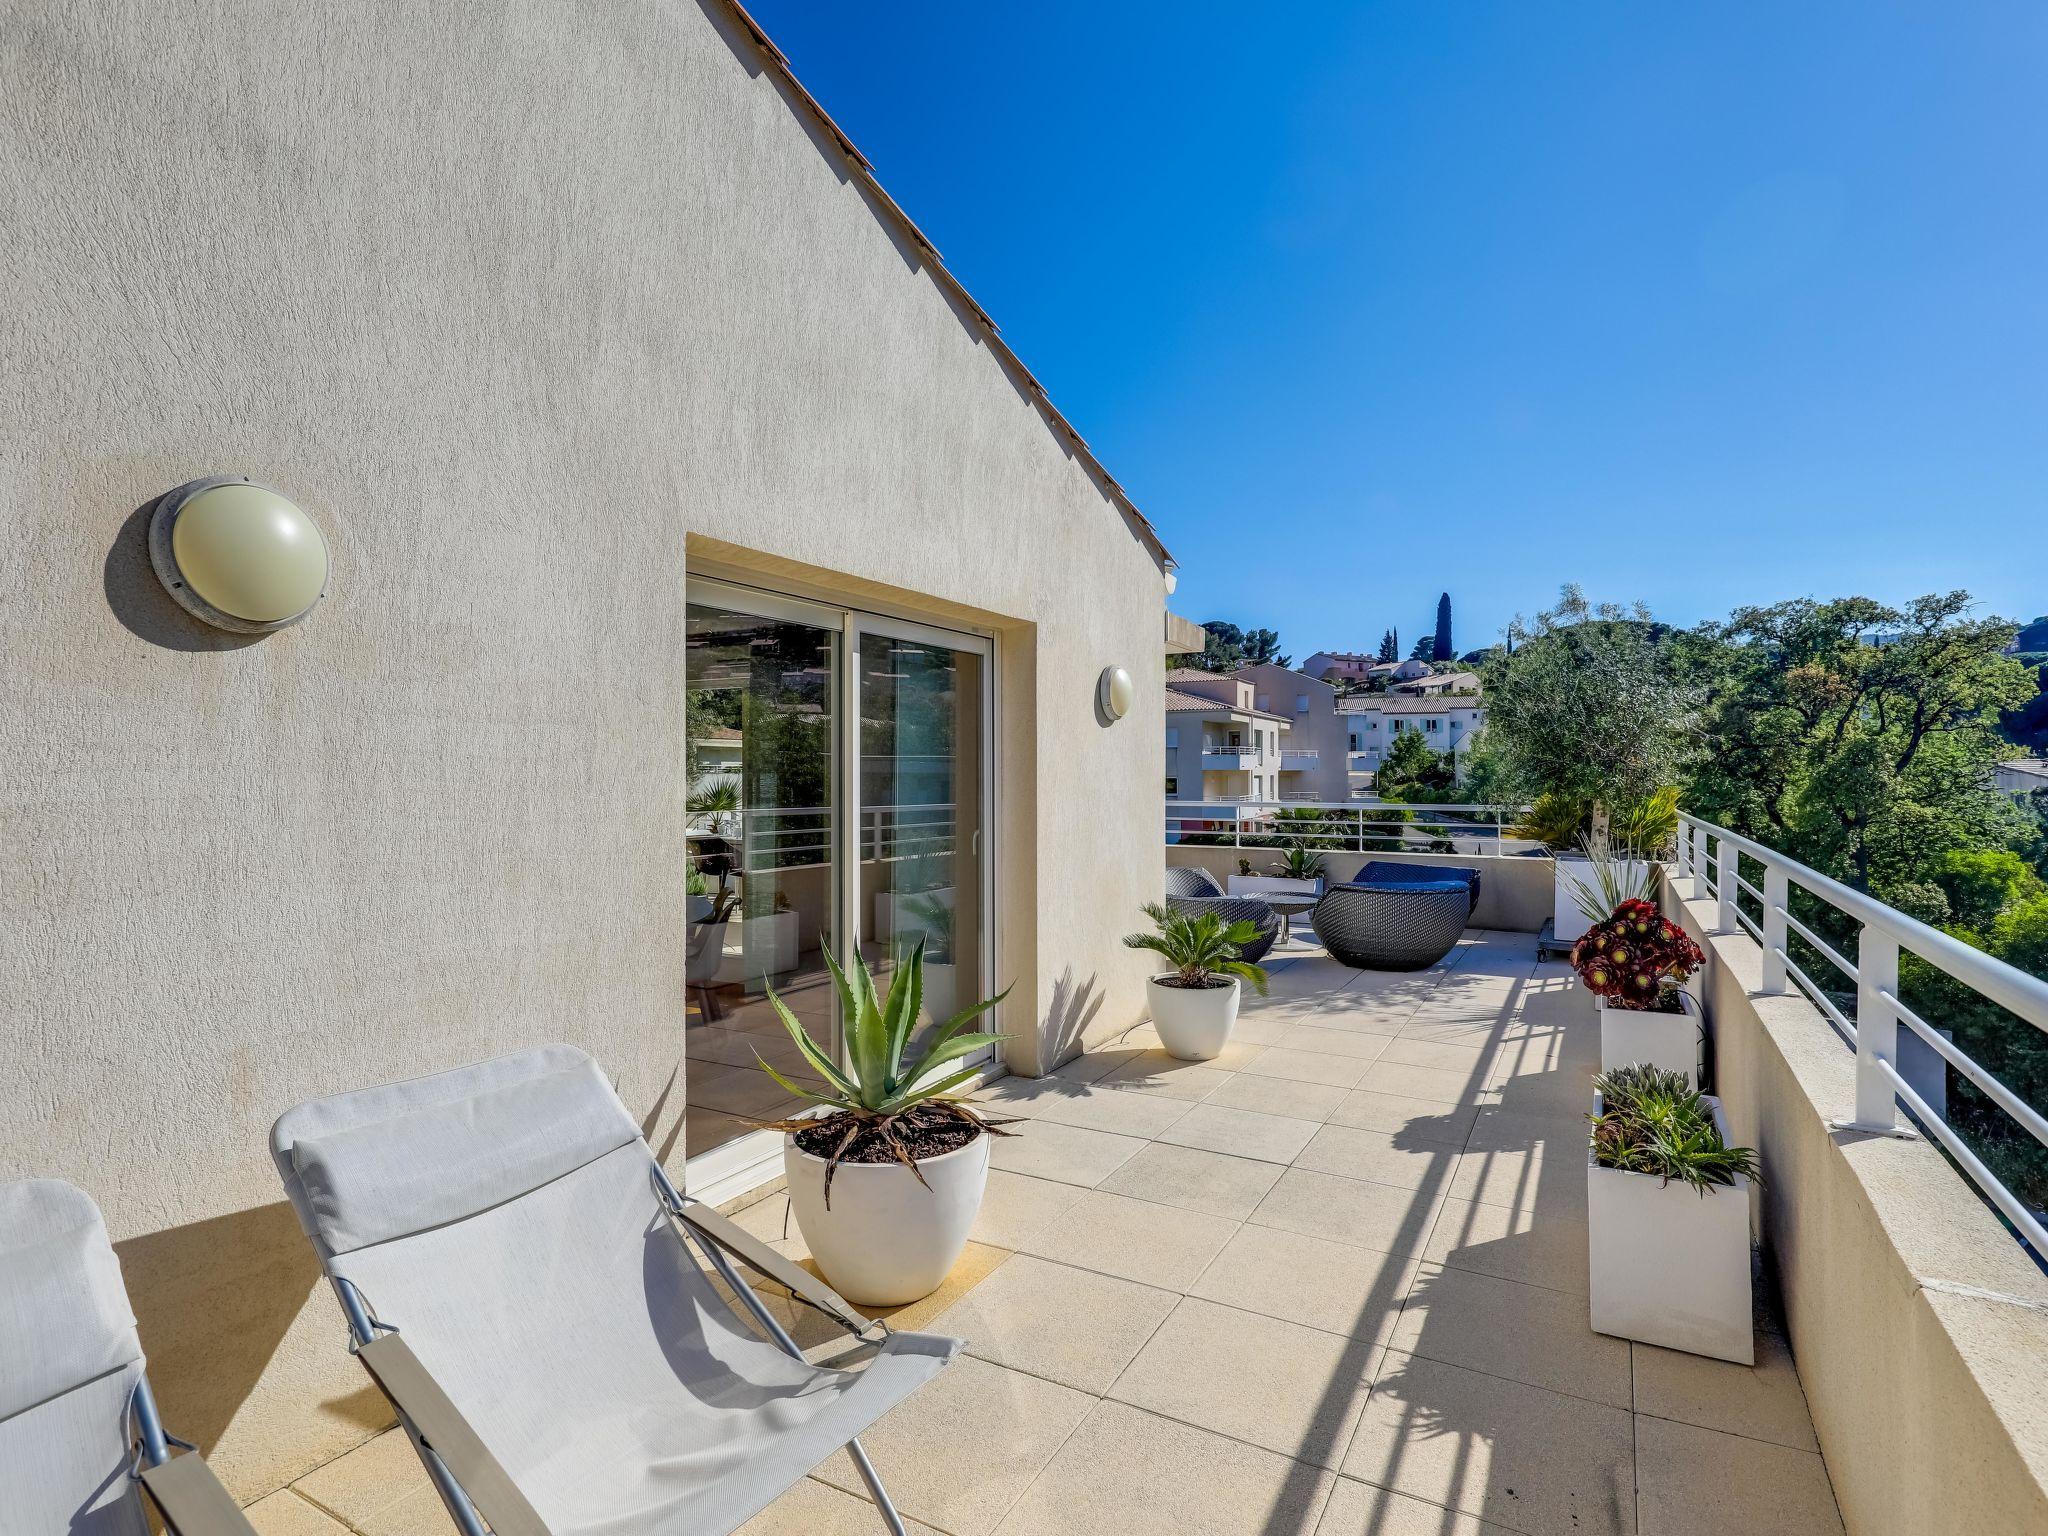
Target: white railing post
<point x="1777" y="898"/>
<point x="1726" y="871"/>
<point x="1877" y="1029"/>
<point x="1701" y="890"/>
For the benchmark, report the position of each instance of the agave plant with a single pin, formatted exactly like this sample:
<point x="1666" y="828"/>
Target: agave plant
<point x="1301" y="864"/>
<point x="1200" y="945"/>
<point x="1651" y="1121"/>
<point x="885" y="1090"/>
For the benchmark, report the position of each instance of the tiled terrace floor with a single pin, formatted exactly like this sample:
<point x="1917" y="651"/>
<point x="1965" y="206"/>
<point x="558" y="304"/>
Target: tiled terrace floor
<point x="1331" y="1283"/>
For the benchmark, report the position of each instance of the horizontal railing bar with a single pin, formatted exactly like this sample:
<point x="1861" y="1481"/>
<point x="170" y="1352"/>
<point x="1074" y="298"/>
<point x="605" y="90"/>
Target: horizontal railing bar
<point x="1961" y="1060"/>
<point x="1981" y="1176"/>
<point x="1842" y="1022"/>
<point x="1834" y="957"/>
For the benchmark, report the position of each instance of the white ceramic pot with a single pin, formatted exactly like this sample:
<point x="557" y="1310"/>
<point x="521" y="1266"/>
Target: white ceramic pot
<point x="887" y="1238"/>
<point x="1672" y="1041"/>
<point x="1570" y="872"/>
<point x="941" y="991"/>
<point x="1273" y="885"/>
<point x="1669" y="1266"/>
<point x="1194" y="1023"/>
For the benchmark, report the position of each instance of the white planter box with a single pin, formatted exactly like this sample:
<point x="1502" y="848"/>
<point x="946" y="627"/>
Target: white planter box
<point x="941" y="993"/>
<point x="1194" y="1023"/>
<point x="887" y="1239"/>
<point x="1669" y="1266"/>
<point x="1273" y="885"/>
<point x="758" y="949"/>
<point x="1671" y="1041"/>
<point x="1572" y="873"/>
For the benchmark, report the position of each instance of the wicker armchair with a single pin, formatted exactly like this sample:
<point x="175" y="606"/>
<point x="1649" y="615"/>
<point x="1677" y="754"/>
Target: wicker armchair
<point x="1394" y="925"/>
<point x="1193" y="890"/>
<point x="1385" y="872"/>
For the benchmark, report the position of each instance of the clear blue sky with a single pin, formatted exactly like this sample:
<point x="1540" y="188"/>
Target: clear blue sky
<point x="1702" y="304"/>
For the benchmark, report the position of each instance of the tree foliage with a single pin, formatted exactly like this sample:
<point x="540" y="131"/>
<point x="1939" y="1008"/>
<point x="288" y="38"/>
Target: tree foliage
<point x="1229" y="647"/>
<point x="1390" y="645"/>
<point x="1441" y="649"/>
<point x="1412" y="771"/>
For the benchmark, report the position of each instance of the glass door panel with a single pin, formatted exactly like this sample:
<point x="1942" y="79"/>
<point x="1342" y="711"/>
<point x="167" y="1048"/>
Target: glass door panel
<point x="922" y="848"/>
<point x="763" y="805"/>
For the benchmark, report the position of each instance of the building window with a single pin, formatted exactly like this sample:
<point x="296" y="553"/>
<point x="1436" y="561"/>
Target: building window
<point x="1173" y="786"/>
<point x="1301" y="703"/>
<point x="1172" y="738"/>
<point x="1431" y="724"/>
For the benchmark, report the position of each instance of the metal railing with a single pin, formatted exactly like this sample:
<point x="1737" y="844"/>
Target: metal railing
<point x="800" y="837"/>
<point x="1300" y="756"/>
<point x="1342" y="826"/>
<point x="1712" y="858"/>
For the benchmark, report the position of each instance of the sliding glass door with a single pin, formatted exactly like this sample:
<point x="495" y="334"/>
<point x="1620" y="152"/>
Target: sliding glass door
<point x="839" y="788"/>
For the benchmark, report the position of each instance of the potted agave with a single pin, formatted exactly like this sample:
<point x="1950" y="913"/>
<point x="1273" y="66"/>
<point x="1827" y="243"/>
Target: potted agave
<point x="1667" y="1216"/>
<point x="1194" y="1005"/>
<point x="1634" y="964"/>
<point x="1300" y="874"/>
<point x="886" y="1180"/>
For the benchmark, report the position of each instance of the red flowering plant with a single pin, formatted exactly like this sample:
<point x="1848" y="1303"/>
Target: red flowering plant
<point x="1636" y="958"/>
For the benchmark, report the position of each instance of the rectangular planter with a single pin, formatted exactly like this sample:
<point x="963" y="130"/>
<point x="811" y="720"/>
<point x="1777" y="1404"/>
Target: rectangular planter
<point x="1273" y="885"/>
<point x="1668" y="1265"/>
<point x="1672" y="1041"/>
<point x="758" y="949"/>
<point x="1570" y="872"/>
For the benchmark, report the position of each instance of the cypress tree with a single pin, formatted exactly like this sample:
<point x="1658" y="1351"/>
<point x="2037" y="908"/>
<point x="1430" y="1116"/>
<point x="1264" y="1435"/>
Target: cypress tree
<point x="1443" y="650"/>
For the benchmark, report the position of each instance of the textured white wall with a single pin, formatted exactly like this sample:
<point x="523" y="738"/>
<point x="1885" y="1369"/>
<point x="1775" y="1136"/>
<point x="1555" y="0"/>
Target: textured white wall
<point x="523" y="302"/>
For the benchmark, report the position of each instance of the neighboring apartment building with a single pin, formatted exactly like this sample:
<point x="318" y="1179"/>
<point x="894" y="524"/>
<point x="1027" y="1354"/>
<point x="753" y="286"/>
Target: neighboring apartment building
<point x="622" y="397"/>
<point x="1340" y="666"/>
<point x="1220" y="744"/>
<point x="1373" y="720"/>
<point x="1428" y="684"/>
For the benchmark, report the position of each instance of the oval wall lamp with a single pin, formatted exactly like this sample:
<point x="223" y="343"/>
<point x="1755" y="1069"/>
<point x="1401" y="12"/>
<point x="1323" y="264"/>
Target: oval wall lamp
<point x="1114" y="692"/>
<point x="238" y="555"/>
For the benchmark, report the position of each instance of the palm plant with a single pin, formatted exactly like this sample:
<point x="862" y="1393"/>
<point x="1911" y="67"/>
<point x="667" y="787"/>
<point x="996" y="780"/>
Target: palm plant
<point x="885" y="1091"/>
<point x="935" y="917"/>
<point x="1301" y="864"/>
<point x="1200" y="946"/>
<point x="1651" y="1121"/>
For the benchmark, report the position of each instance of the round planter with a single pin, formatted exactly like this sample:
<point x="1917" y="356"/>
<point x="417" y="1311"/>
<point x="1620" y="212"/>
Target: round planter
<point x="941" y="990"/>
<point x="887" y="1239"/>
<point x="1194" y="1023"/>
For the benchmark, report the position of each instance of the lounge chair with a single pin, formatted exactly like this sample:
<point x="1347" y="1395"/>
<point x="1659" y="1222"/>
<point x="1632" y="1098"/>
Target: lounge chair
<point x="1386" y="872"/>
<point x="1193" y="891"/>
<point x="1394" y="925"/>
<point x="80" y="1440"/>
<point x="518" y="1276"/>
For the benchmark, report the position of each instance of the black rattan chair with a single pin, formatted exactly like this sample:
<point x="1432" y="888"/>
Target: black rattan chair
<point x="1386" y="872"/>
<point x="1394" y="925"/>
<point x="1194" y="890"/>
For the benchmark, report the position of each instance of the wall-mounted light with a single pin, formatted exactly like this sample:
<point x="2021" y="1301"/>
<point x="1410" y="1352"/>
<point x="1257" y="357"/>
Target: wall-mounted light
<point x="1114" y="692"/>
<point x="238" y="555"/>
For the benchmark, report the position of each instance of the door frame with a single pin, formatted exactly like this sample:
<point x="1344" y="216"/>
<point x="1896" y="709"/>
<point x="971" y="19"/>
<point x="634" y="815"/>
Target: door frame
<point x="732" y="1169"/>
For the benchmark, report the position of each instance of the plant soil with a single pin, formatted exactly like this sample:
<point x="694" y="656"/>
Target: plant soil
<point x="1206" y="984"/>
<point x="931" y="1129"/>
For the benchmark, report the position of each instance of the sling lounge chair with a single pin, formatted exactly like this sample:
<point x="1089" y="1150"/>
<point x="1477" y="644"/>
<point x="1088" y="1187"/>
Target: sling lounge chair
<point x="80" y="1440"/>
<point x="517" y="1274"/>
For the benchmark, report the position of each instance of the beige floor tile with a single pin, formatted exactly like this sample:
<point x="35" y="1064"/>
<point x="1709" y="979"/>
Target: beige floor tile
<point x="1309" y="1036"/>
<point x="368" y="1480"/>
<point x="742" y="1091"/>
<point x="1241" y="1133"/>
<point x="1483" y="1034"/>
<point x="1014" y="1206"/>
<point x="1099" y="1107"/>
<point x="1405" y="1161"/>
<point x="1545" y="1247"/>
<point x="1027" y="1097"/>
<point x="1270" y="1383"/>
<point x="284" y="1513"/>
<point x="1424" y="1119"/>
<point x="772" y="1221"/>
<point x="1552" y="1135"/>
<point x="1134" y="1473"/>
<point x="1534" y="1178"/>
<point x="1157" y="1073"/>
<point x="813" y="1508"/>
<point x="420" y="1513"/>
<point x="1342" y="1210"/>
<point x="1336" y="1287"/>
<point x="1359" y="1509"/>
<point x="958" y="1452"/>
<point x="706" y="1128"/>
<point x="1531" y="1460"/>
<point x="1565" y="1090"/>
<point x="1763" y="1401"/>
<point x="1068" y="1153"/>
<point x="1701" y="1482"/>
<point x="1432" y="1083"/>
<point x="1068" y="1325"/>
<point x="1278" y="1096"/>
<point x="1522" y="1332"/>
<point x="1195" y="1180"/>
<point x="1364" y="1018"/>
<point x="1339" y="1071"/>
<point x="1133" y="1239"/>
<point x="1257" y="1029"/>
<point x="1436" y="1053"/>
<point x="1093" y="1065"/>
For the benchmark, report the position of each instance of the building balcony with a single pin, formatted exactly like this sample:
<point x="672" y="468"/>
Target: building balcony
<point x="1217" y="759"/>
<point x="1361" y="762"/>
<point x="1299" y="759"/>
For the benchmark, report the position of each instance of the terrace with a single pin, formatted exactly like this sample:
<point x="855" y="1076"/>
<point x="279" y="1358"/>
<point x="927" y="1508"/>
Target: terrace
<point x="1332" y="1282"/>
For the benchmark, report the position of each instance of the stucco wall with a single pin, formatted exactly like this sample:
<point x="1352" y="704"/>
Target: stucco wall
<point x="1916" y="1319"/>
<point x="531" y="306"/>
<point x="1516" y="895"/>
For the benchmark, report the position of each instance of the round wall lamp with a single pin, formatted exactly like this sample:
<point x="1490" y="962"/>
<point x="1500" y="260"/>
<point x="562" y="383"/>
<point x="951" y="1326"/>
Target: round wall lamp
<point x="238" y="555"/>
<point x="1114" y="692"/>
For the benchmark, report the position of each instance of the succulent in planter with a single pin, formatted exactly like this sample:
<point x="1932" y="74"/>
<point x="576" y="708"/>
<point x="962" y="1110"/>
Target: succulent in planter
<point x="1654" y="1122"/>
<point x="1636" y="958"/>
<point x="888" y="1104"/>
<point x="1301" y="864"/>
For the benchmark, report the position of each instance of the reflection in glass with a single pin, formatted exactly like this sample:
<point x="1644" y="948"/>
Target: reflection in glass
<point x="760" y="730"/>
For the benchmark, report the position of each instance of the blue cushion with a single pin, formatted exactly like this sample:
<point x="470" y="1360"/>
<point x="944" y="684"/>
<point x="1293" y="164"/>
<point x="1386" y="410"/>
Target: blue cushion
<point x="1458" y="887"/>
<point x="1381" y="872"/>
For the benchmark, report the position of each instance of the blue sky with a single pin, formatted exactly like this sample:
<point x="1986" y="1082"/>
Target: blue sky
<point x="1703" y="305"/>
